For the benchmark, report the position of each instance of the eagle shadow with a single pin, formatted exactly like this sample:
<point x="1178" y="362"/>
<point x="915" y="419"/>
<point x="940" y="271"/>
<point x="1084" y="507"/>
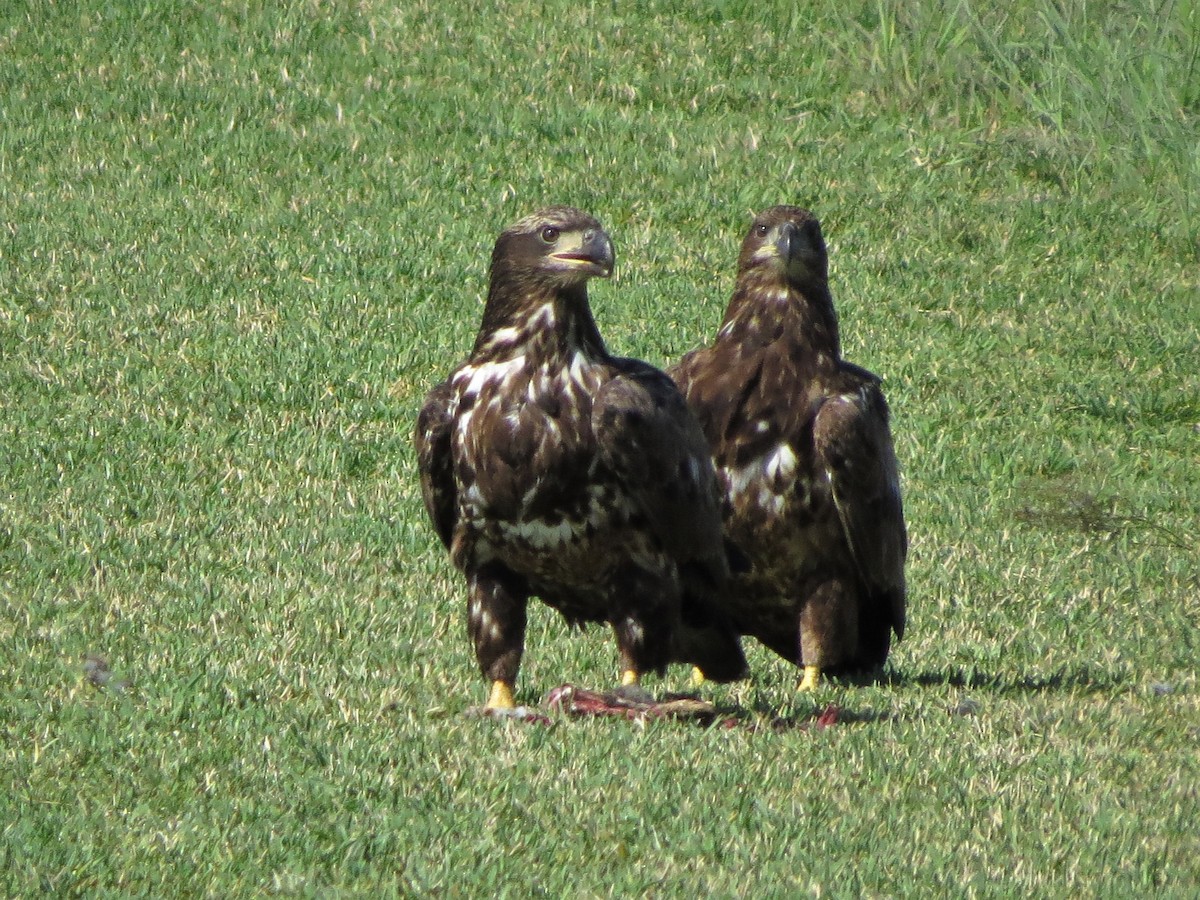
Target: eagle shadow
<point x="1086" y="679"/>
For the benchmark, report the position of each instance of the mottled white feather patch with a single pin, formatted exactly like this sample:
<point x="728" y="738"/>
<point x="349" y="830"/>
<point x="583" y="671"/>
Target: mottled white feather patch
<point x="542" y="317"/>
<point x="770" y="501"/>
<point x="503" y="336"/>
<point x="780" y="464"/>
<point x="578" y="369"/>
<point x="537" y="533"/>
<point x="474" y="378"/>
<point x="775" y="465"/>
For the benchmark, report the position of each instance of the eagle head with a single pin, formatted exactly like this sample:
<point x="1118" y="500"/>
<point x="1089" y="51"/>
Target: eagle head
<point x="559" y="247"/>
<point x="785" y="243"/>
<point x="540" y="269"/>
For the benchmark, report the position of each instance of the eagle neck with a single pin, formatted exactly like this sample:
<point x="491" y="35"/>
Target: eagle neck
<point x="763" y="313"/>
<point x="547" y="324"/>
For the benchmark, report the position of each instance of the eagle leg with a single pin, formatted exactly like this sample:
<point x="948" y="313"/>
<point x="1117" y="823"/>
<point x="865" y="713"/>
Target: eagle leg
<point x="828" y="630"/>
<point x="496" y="624"/>
<point x="812" y="677"/>
<point x="644" y="627"/>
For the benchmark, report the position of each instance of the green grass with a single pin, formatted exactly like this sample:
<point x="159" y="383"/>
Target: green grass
<point x="238" y="241"/>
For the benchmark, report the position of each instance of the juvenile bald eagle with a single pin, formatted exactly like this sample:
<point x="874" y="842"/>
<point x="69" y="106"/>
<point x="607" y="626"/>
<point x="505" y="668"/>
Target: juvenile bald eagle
<point x="551" y="468"/>
<point x="803" y="451"/>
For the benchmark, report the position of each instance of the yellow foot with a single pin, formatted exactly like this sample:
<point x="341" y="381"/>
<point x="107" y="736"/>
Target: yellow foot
<point x="697" y="677"/>
<point x="501" y="696"/>
<point x="629" y="677"/>
<point x="812" y="675"/>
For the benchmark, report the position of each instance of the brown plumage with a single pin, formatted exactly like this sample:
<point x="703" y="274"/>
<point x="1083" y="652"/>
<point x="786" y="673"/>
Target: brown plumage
<point x="551" y="468"/>
<point x="803" y="451"/>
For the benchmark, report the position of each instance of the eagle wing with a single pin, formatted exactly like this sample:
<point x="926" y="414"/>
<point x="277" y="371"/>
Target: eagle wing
<point x="854" y="447"/>
<point x="435" y="425"/>
<point x="647" y="436"/>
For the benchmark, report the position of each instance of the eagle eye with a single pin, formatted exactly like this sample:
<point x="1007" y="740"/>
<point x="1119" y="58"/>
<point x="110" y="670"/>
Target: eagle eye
<point x="550" y="234"/>
<point x="761" y="230"/>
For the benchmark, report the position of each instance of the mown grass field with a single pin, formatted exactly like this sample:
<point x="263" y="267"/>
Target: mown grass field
<point x="238" y="241"/>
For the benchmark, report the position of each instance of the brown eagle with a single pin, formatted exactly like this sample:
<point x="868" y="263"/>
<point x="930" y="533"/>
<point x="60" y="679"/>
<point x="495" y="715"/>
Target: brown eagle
<point x="803" y="451"/>
<point x="551" y="468"/>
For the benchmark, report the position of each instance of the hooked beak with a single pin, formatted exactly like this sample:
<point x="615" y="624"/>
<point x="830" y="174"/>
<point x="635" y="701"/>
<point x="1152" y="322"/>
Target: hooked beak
<point x="796" y="248"/>
<point x="590" y="253"/>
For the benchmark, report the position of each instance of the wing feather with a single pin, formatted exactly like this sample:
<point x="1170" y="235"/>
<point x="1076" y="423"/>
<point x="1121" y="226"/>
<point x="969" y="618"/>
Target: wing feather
<point x="645" y="433"/>
<point x="648" y="438"/>
<point x="435" y="425"/>
<point x="854" y="446"/>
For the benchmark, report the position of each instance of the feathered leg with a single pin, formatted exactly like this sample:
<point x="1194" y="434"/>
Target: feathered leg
<point x="828" y="630"/>
<point x="496" y="625"/>
<point x="644" y="626"/>
<point x="706" y="639"/>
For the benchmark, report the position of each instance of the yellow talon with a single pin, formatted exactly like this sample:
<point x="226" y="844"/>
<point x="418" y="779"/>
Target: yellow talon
<point x="629" y="677"/>
<point x="501" y="696"/>
<point x="812" y="675"/>
<point x="697" y="677"/>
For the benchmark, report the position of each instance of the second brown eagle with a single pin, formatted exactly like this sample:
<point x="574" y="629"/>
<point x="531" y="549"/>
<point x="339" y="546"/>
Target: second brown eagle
<point x="803" y="450"/>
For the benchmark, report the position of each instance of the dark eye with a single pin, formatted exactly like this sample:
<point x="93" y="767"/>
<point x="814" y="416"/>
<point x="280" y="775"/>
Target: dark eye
<point x="549" y="234"/>
<point x="761" y="230"/>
